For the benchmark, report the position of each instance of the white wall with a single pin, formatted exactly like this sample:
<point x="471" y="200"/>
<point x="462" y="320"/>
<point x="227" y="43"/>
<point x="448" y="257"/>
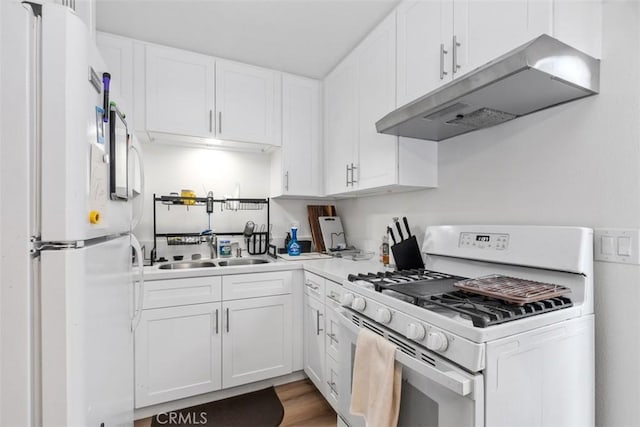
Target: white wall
<point x="173" y="168"/>
<point x="577" y="164"/>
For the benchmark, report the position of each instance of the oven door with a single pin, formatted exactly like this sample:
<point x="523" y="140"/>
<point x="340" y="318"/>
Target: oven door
<point x="434" y="393"/>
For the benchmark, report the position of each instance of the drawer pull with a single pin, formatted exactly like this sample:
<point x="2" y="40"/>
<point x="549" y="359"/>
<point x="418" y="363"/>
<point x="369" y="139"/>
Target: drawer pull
<point x="310" y="285"/>
<point x="332" y="386"/>
<point x="334" y="297"/>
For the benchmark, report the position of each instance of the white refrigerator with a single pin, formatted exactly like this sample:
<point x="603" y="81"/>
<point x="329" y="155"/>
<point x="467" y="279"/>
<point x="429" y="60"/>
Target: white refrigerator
<point x="67" y="310"/>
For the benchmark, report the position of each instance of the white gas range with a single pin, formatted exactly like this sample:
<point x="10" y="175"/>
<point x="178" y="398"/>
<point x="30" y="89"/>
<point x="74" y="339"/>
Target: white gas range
<point x="477" y="360"/>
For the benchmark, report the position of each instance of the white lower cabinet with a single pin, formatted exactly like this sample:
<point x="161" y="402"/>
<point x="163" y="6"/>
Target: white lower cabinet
<point x="257" y="339"/>
<point x="322" y="335"/>
<point x="189" y="342"/>
<point x="314" y="354"/>
<point x="177" y="353"/>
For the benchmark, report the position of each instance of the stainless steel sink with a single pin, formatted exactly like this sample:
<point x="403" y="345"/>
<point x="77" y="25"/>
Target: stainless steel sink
<point x="242" y="261"/>
<point x="187" y="264"/>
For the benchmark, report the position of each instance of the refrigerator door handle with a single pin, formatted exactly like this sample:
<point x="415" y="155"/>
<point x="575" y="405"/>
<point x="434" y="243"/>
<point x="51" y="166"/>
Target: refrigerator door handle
<point x="136" y="219"/>
<point x="140" y="263"/>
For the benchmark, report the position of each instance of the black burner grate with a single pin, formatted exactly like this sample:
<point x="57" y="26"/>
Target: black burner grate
<point x="429" y="289"/>
<point x="484" y="311"/>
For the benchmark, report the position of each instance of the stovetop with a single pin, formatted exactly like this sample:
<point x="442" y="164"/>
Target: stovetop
<point x="434" y="291"/>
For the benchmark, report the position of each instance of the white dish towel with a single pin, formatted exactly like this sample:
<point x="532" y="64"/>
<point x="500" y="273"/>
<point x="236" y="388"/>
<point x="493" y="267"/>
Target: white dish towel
<point x="376" y="381"/>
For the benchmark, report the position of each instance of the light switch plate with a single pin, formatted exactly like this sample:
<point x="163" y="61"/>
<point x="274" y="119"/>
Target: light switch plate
<point x="612" y="245"/>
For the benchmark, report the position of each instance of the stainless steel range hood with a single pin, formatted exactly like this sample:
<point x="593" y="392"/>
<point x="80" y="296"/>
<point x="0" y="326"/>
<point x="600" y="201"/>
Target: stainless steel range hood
<point x="540" y="74"/>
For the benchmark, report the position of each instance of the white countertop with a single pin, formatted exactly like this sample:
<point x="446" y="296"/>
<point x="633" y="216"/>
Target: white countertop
<point x="335" y="269"/>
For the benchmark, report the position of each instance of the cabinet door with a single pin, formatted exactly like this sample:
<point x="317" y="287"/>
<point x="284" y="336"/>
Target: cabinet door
<point x="179" y="92"/>
<point x="332" y="382"/>
<point x="247" y="98"/>
<point x="301" y="155"/>
<point x="487" y="29"/>
<point x="422" y="27"/>
<point x="177" y="353"/>
<point x="378" y="153"/>
<point x="332" y="333"/>
<point x="257" y="339"/>
<point x="118" y="55"/>
<point x="341" y="125"/>
<point x="314" y="355"/>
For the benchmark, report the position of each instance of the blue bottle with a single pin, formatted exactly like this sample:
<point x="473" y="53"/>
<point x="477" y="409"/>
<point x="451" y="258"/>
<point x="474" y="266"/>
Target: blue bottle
<point x="293" y="248"/>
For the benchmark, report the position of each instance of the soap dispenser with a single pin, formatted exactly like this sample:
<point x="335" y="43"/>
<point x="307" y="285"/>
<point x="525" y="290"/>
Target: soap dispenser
<point x="293" y="248"/>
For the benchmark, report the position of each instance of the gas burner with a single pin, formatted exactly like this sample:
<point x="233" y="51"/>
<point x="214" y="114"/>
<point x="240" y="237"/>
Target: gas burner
<point x="485" y="311"/>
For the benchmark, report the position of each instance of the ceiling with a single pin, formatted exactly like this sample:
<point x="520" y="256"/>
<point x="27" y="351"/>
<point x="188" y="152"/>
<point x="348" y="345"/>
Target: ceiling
<point x="306" y="37"/>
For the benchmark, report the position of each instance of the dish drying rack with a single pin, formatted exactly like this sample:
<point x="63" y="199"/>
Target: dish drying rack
<point x="260" y="239"/>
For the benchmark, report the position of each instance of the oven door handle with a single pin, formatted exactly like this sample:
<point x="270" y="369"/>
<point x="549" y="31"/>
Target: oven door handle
<point x="452" y="380"/>
<point x="449" y="379"/>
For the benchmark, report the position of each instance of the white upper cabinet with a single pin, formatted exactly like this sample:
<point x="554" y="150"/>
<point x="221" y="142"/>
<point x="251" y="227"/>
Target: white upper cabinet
<point x="441" y="40"/>
<point x="485" y="30"/>
<point x="296" y="169"/>
<point x="179" y="92"/>
<point x="359" y="92"/>
<point x="341" y="125"/>
<point x="118" y="55"/>
<point x="424" y="30"/>
<point x="247" y="103"/>
<point x="377" y="154"/>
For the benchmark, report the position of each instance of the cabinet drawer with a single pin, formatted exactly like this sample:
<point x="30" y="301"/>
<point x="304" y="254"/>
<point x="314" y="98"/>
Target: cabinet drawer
<point x="314" y="285"/>
<point x="256" y="285"/>
<point x="174" y="292"/>
<point x="333" y="293"/>
<point x="331" y="384"/>
<point x="332" y="333"/>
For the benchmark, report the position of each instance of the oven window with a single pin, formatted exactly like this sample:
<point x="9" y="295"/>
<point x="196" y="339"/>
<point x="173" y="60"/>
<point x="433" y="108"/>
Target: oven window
<point x="416" y="409"/>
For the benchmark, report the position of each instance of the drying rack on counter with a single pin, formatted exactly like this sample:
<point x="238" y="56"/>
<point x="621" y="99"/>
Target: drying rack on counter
<point x="260" y="238"/>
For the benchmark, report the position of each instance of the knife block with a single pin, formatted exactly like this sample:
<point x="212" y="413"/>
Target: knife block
<point x="407" y="254"/>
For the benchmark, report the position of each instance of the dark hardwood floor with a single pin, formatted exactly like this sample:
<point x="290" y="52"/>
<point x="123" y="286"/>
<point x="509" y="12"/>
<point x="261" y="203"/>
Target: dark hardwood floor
<point x="303" y="406"/>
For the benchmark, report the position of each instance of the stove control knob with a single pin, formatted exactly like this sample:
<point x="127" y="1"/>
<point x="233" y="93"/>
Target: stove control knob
<point x="359" y="304"/>
<point x="347" y="299"/>
<point x="383" y="315"/>
<point x="437" y="341"/>
<point x="415" y="331"/>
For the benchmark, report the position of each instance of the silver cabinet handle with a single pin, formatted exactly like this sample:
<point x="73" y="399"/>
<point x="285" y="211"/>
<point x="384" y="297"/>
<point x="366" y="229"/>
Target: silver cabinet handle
<point x="353" y="168"/>
<point x="443" y="52"/>
<point x="286" y="185"/>
<point x="227" y="320"/>
<point x="219" y="121"/>
<point x="318" y="330"/>
<point x="210" y="121"/>
<point x="332" y="386"/>
<point x="333" y="338"/>
<point x="334" y="297"/>
<point x="308" y="284"/>
<point x="216" y="321"/>
<point x="347" y="174"/>
<point x="456" y="45"/>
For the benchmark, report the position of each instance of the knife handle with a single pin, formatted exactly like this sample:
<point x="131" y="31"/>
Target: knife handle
<point x="399" y="230"/>
<point x="390" y="231"/>
<point x="406" y="225"/>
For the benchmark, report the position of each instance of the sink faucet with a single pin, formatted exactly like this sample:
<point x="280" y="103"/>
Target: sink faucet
<point x="211" y="242"/>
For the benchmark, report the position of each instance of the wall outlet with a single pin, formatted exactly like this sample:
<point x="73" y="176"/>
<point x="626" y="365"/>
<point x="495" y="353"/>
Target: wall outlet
<point x="617" y="245"/>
